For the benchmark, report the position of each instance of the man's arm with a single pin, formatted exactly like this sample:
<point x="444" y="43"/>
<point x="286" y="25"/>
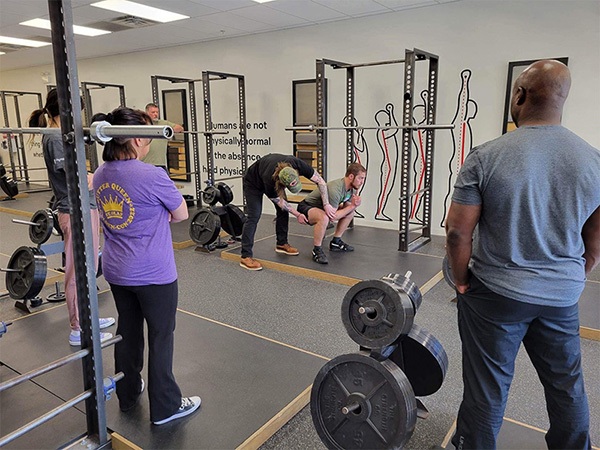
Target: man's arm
<point x="460" y="224"/>
<point x="329" y="209"/>
<point x="288" y="208"/>
<point x="591" y="241"/>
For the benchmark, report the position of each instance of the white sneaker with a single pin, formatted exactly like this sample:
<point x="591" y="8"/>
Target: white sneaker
<point x="188" y="406"/>
<point x="106" y="322"/>
<point x="75" y="337"/>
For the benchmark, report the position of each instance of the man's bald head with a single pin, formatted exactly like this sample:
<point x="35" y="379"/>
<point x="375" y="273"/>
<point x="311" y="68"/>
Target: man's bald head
<point x="539" y="93"/>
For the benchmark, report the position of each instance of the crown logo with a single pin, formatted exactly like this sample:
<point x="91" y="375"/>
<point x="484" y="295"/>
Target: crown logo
<point x="113" y="209"/>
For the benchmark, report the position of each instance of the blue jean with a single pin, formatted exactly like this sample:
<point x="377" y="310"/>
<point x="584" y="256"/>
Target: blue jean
<point x="254" y="201"/>
<point x="492" y="328"/>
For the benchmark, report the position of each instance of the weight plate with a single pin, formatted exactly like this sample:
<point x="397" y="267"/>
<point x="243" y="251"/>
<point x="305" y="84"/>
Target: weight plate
<point x="237" y="218"/>
<point x="41" y="232"/>
<point x="27" y="273"/>
<point x="56" y="297"/>
<point x="408" y="286"/>
<point x="376" y="313"/>
<point x="211" y="195"/>
<point x="358" y="402"/>
<point x="9" y="187"/>
<point x="423" y="359"/>
<point x="2" y="170"/>
<point x="226" y="193"/>
<point x="205" y="227"/>
<point x="447" y="271"/>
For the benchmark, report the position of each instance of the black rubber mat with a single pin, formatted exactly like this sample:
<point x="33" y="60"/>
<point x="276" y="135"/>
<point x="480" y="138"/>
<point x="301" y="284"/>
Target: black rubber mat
<point x="371" y="259"/>
<point x="27" y="401"/>
<point x="244" y="380"/>
<point x="516" y="436"/>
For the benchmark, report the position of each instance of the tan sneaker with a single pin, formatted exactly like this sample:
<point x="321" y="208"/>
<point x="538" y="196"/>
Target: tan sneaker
<point x="287" y="249"/>
<point x="250" y="264"/>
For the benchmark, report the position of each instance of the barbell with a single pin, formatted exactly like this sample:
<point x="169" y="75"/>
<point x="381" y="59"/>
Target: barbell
<point x="206" y="224"/>
<point x="360" y="128"/>
<point x="41" y="225"/>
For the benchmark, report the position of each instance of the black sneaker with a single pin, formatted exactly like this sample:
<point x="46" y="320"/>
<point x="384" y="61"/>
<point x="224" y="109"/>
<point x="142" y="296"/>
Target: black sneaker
<point x="340" y="246"/>
<point x="188" y="406"/>
<point x="319" y="256"/>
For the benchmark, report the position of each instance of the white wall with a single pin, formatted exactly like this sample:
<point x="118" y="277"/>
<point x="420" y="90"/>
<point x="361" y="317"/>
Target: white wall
<point x="480" y="35"/>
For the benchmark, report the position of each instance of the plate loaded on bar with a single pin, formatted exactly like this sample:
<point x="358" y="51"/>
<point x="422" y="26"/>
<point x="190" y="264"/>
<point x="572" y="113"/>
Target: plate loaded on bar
<point x="237" y="218"/>
<point x="423" y="359"/>
<point x="226" y="196"/>
<point x="377" y="312"/>
<point x="26" y="273"/>
<point x="368" y="400"/>
<point x="211" y="195"/>
<point x="40" y="226"/>
<point x="205" y="227"/>
<point x="359" y="402"/>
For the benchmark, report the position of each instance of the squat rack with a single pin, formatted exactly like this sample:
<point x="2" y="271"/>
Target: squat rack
<point x="20" y="166"/>
<point x="86" y="88"/>
<point x="407" y="128"/>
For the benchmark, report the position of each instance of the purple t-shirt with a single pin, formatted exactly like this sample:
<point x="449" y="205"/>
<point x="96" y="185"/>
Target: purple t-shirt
<point x="134" y="200"/>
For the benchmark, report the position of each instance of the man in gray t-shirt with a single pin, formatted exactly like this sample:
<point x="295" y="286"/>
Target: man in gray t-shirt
<point x="157" y="156"/>
<point x="341" y="196"/>
<point x="525" y="215"/>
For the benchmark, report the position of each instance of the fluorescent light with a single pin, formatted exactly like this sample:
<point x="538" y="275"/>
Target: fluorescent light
<point x="23" y="42"/>
<point x="139" y="10"/>
<point x="2" y="53"/>
<point x="263" y="1"/>
<point x="45" y="24"/>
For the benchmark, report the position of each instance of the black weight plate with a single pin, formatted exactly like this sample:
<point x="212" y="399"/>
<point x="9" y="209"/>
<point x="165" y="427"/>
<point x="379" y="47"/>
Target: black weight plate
<point x="205" y="227"/>
<point x="382" y="406"/>
<point x="447" y="271"/>
<point x="237" y="218"/>
<point x="2" y="170"/>
<point x="56" y="297"/>
<point x="389" y="313"/>
<point x="211" y="195"/>
<point x="408" y="286"/>
<point x="423" y="359"/>
<point x="9" y="187"/>
<point x="226" y="193"/>
<point x="29" y="279"/>
<point x="41" y="232"/>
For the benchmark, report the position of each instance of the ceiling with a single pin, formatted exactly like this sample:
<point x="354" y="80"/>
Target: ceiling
<point x="209" y="20"/>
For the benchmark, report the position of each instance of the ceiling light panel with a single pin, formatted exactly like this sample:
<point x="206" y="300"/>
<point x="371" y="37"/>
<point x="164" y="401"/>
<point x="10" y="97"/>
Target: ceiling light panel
<point x="23" y="42"/>
<point x="139" y="10"/>
<point x="45" y="24"/>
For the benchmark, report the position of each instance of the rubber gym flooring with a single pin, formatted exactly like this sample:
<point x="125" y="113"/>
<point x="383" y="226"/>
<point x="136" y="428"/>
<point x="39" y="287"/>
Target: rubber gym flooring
<point x="250" y="344"/>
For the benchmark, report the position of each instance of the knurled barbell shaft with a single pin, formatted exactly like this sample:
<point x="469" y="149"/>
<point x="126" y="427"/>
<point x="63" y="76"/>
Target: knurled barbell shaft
<point x="204" y="132"/>
<point x="25" y="222"/>
<point x="395" y="127"/>
<point x="104" y="131"/>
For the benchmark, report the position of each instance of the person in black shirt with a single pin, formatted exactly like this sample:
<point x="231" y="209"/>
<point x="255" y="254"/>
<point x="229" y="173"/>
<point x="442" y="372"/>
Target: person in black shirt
<point x="270" y="176"/>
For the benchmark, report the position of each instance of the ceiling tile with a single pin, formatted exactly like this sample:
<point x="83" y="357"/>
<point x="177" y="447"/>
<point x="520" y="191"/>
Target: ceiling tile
<point x="271" y="16"/>
<point x="225" y="5"/>
<point x="306" y="9"/>
<point x="354" y="7"/>
<point x="404" y="4"/>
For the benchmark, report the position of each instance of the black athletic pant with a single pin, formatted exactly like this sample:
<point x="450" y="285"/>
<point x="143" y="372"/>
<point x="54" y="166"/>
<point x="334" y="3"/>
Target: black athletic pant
<point x="254" y="200"/>
<point x="157" y="305"/>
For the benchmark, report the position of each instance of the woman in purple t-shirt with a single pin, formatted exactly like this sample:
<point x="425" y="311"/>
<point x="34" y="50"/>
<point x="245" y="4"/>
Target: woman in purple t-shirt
<point x="136" y="202"/>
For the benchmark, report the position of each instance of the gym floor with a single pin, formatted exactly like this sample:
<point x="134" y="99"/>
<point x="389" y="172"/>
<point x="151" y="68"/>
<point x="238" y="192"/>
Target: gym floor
<point x="250" y="344"/>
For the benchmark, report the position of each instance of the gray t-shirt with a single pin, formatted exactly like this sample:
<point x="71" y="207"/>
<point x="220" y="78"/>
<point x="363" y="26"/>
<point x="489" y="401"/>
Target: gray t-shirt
<point x="157" y="155"/>
<point x="337" y="194"/>
<point x="54" y="157"/>
<point x="537" y="186"/>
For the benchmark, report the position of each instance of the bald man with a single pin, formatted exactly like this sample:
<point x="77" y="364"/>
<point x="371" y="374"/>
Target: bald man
<point x="534" y="196"/>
